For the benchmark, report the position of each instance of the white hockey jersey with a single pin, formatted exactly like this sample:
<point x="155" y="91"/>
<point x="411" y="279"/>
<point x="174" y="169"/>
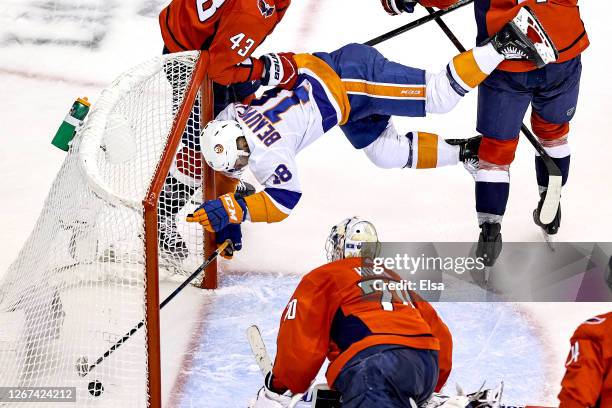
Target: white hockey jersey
<point x="278" y="126"/>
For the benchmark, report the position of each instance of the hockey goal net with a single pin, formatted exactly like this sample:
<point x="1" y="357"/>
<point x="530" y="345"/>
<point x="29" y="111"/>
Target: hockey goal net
<point x="112" y="224"/>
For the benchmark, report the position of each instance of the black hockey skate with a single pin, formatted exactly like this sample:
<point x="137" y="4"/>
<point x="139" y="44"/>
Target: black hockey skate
<point x="172" y="199"/>
<point x="524" y="38"/>
<point x="548" y="230"/>
<point x="170" y="241"/>
<point x="489" y="243"/>
<point x="553" y="227"/>
<point x="244" y="189"/>
<point x="468" y="152"/>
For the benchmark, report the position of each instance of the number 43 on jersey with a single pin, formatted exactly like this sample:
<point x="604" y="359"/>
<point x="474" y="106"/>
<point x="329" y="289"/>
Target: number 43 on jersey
<point x="242" y="47"/>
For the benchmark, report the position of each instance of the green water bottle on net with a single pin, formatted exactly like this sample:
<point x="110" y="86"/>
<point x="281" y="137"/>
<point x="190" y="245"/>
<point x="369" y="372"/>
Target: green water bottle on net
<point x="67" y="129"/>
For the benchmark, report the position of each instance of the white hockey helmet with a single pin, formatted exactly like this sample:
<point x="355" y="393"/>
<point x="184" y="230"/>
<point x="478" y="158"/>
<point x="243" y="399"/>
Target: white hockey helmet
<point x="346" y="240"/>
<point x="219" y="144"/>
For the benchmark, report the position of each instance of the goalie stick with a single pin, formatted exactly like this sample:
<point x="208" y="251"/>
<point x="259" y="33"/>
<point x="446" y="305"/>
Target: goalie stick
<point x="258" y="347"/>
<point x="83" y="367"/>
<point x="262" y="358"/>
<point x="552" y="196"/>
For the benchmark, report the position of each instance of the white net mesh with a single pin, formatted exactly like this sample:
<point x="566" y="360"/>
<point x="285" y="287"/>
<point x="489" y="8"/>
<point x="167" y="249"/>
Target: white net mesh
<point x="77" y="285"/>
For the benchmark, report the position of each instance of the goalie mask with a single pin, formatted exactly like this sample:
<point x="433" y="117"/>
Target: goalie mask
<point x="219" y="144"/>
<point x="352" y="238"/>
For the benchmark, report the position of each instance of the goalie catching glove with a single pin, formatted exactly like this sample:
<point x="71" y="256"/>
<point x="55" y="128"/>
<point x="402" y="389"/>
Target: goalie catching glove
<point x="279" y="70"/>
<point x="215" y="215"/>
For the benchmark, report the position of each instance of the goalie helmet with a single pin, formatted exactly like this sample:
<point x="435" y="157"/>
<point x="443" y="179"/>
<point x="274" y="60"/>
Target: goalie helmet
<point x="352" y="238"/>
<point x="219" y="144"/>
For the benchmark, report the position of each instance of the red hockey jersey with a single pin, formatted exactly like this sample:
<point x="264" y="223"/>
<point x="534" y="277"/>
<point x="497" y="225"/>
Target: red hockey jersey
<point x="588" y="379"/>
<point x="230" y="30"/>
<point x="560" y="18"/>
<point x="343" y="288"/>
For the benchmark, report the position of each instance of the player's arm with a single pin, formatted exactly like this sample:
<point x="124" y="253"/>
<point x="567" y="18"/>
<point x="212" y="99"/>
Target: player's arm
<point x="269" y="205"/>
<point x="236" y="39"/>
<point x="582" y="383"/>
<point x="230" y="53"/>
<point x="303" y="336"/>
<point x="442" y="333"/>
<point x="282" y="190"/>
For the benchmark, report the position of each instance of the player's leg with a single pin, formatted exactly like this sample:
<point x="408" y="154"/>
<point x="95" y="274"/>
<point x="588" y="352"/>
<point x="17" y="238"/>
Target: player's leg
<point x="461" y="75"/>
<point x="523" y="37"/>
<point x="554" y="106"/>
<point x="378" y="88"/>
<point x="376" y="85"/>
<point x="372" y="378"/>
<point x="503" y="100"/>
<point x="416" y="150"/>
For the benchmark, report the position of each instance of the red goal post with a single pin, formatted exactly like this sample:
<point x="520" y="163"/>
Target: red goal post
<point x="200" y="84"/>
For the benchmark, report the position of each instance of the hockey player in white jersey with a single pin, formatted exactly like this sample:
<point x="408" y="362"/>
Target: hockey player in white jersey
<point x="358" y="89"/>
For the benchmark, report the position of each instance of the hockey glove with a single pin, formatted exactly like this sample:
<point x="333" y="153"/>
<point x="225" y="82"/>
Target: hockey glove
<point x="269" y="399"/>
<point x="395" y="7"/>
<point x="234" y="234"/>
<point x="214" y="215"/>
<point x="279" y="70"/>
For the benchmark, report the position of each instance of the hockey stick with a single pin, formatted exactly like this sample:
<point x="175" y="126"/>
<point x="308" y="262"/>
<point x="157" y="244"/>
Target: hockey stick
<point x="417" y="23"/>
<point x="258" y="347"/>
<point x="552" y="197"/>
<point x="262" y="358"/>
<point x="84" y="368"/>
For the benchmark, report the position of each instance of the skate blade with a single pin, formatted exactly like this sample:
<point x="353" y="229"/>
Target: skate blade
<point x="482" y="277"/>
<point x="550" y="242"/>
<point x="472" y="167"/>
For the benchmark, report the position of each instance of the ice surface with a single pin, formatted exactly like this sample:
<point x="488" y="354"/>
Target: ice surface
<point x="223" y="365"/>
<point x="53" y="51"/>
